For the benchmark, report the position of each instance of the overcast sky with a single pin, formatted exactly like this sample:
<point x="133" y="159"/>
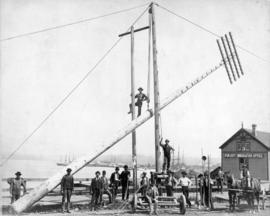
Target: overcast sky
<point x="39" y="70"/>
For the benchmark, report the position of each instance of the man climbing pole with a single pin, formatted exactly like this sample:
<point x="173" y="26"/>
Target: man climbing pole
<point x="167" y="154"/>
<point x="141" y="97"/>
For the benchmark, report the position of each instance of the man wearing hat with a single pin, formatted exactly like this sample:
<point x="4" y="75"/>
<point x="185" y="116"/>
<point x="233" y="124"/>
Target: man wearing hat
<point x="185" y="183"/>
<point x="124" y="177"/>
<point x="170" y="182"/>
<point x="207" y="190"/>
<point x="115" y="182"/>
<point x="95" y="190"/>
<point x="67" y="186"/>
<point x="167" y="154"/>
<point x="15" y="186"/>
<point x="151" y="196"/>
<point x="144" y="184"/>
<point x="141" y="97"/>
<point x="105" y="187"/>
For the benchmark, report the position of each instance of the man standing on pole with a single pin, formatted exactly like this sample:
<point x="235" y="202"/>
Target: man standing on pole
<point x="167" y="154"/>
<point x="141" y="97"/>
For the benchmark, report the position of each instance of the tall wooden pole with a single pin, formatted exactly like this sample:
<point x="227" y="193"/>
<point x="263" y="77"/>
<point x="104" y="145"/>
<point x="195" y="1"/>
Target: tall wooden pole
<point x="156" y="89"/>
<point x="134" y="152"/>
<point x="209" y="184"/>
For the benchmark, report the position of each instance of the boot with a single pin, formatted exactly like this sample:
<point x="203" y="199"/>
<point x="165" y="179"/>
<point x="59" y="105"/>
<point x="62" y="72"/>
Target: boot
<point x="151" y="209"/>
<point x="155" y="208"/>
<point x="63" y="207"/>
<point x="68" y="207"/>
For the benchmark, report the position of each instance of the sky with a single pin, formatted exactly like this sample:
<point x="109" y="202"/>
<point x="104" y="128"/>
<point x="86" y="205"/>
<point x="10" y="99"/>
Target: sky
<point x="37" y="72"/>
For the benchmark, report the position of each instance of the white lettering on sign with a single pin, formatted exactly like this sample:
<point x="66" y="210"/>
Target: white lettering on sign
<point x="243" y="155"/>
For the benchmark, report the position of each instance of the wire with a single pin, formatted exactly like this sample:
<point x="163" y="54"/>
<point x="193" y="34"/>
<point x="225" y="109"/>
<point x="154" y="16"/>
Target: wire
<point x="70" y="24"/>
<point x="70" y="92"/>
<point x="212" y="33"/>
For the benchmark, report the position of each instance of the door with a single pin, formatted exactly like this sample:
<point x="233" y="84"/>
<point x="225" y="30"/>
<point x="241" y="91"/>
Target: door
<point x="243" y="161"/>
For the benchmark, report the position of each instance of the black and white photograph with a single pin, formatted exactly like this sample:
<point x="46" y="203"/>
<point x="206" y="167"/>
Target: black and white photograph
<point x="135" y="107"/>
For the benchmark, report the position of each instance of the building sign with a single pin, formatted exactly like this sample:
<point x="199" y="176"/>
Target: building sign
<point x="243" y="155"/>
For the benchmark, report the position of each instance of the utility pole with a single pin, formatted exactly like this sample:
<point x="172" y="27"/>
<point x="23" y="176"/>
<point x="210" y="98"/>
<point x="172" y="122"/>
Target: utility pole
<point x="134" y="152"/>
<point x="156" y="89"/>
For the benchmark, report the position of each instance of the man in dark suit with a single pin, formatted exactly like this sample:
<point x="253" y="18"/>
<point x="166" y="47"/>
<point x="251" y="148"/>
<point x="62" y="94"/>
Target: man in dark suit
<point x="95" y="190"/>
<point x="124" y="177"/>
<point x="67" y="185"/>
<point x="167" y="154"/>
<point x="141" y="97"/>
<point x="115" y="182"/>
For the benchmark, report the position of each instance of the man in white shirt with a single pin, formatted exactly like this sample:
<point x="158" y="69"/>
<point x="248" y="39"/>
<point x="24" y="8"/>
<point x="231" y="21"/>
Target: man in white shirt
<point x="185" y="182"/>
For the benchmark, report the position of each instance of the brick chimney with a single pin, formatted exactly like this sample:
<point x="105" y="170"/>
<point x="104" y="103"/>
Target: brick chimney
<point x="254" y="129"/>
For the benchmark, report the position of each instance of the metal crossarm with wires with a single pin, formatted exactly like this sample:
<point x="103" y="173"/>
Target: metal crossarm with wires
<point x="233" y="55"/>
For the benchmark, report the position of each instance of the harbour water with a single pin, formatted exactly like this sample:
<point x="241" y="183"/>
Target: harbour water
<point x="47" y="168"/>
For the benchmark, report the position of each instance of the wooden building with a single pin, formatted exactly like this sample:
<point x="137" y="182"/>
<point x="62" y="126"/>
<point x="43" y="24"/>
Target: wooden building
<point x="250" y="147"/>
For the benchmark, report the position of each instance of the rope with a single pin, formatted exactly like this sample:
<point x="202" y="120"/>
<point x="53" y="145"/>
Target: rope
<point x="149" y="60"/>
<point x="70" y="24"/>
<point x="212" y="33"/>
<point x="69" y="93"/>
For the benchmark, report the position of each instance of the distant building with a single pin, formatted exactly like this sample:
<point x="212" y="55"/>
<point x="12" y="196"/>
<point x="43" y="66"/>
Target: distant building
<point x="250" y="147"/>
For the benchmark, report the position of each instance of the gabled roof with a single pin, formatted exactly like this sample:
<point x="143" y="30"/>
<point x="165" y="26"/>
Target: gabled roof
<point x="262" y="137"/>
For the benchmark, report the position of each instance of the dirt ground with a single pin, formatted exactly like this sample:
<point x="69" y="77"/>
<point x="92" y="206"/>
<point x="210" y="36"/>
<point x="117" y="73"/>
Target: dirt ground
<point x="81" y="208"/>
<point x="220" y="209"/>
<point x="164" y="212"/>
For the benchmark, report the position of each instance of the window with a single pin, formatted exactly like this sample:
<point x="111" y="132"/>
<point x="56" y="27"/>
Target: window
<point x="243" y="146"/>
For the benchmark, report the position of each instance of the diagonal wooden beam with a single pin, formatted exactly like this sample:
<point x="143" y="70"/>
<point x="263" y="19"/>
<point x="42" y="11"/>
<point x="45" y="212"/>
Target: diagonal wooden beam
<point x="44" y="188"/>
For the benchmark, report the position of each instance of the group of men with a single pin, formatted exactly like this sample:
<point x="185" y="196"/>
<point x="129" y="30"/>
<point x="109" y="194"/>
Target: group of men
<point x="147" y="185"/>
<point x="99" y="186"/>
<point x="206" y="185"/>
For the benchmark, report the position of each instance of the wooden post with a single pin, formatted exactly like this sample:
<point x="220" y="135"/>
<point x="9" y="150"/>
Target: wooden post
<point x="44" y="188"/>
<point x="134" y="152"/>
<point x="156" y="89"/>
<point x="196" y="185"/>
<point x="209" y="184"/>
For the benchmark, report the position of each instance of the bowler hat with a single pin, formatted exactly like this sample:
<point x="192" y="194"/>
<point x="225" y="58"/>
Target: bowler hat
<point x="69" y="170"/>
<point x="166" y="140"/>
<point x="125" y="166"/>
<point x="18" y="173"/>
<point x="184" y="173"/>
<point x="97" y="172"/>
<point x="140" y="89"/>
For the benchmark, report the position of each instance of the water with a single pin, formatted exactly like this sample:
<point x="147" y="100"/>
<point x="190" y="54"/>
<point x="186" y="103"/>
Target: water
<point x="44" y="169"/>
<point x="47" y="168"/>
